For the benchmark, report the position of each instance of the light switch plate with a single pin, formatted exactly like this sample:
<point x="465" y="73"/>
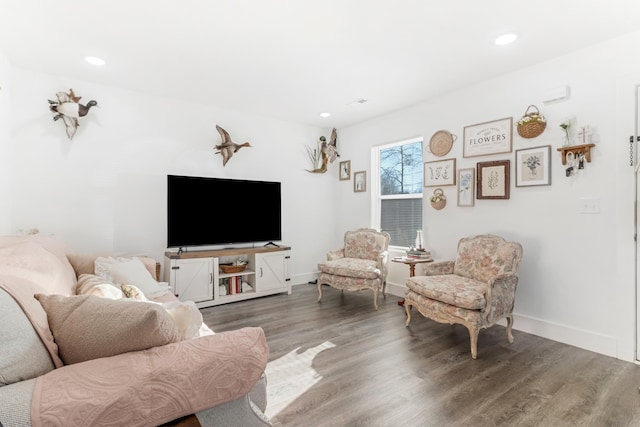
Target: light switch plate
<point x="590" y="205"/>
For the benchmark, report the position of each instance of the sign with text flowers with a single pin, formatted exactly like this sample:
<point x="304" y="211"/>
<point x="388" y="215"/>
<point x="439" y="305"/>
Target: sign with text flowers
<point x="533" y="166"/>
<point x="487" y="138"/>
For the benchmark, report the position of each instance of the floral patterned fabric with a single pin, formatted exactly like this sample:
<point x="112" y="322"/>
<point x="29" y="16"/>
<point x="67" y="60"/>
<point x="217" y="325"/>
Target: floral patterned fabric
<point x="350" y="283"/>
<point x="451" y="289"/>
<point x="351" y="267"/>
<point x="439" y="310"/>
<point x="364" y="244"/>
<point x="436" y="268"/>
<point x="476" y="290"/>
<point x="360" y="264"/>
<point x="484" y="257"/>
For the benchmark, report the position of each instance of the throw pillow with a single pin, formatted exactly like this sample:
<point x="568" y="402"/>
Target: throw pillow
<point x="90" y="284"/>
<point x="87" y="327"/>
<point x="132" y="292"/>
<point x="23" y="356"/>
<point x="130" y="271"/>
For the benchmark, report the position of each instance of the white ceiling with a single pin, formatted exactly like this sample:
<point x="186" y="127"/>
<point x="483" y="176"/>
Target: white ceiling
<point x="293" y="59"/>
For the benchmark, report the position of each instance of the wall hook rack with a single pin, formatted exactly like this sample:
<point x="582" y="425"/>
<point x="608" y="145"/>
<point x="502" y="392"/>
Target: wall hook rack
<point x="576" y="149"/>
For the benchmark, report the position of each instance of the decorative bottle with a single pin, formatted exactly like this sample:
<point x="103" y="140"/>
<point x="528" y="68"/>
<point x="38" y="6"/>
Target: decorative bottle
<point x="419" y="245"/>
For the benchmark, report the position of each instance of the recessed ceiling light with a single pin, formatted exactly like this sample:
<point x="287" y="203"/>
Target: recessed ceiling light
<point x="325" y="114"/>
<point x="506" y="39"/>
<point x="94" y="60"/>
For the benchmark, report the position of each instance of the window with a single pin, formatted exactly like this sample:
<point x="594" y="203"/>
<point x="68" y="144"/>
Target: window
<point x="397" y="190"/>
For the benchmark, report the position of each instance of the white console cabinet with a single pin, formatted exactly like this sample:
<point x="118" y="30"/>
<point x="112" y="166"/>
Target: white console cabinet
<point x="196" y="275"/>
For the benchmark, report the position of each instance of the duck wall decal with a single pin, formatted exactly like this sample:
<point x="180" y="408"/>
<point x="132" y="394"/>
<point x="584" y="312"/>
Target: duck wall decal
<point x="328" y="151"/>
<point x="69" y="110"/>
<point x="227" y="148"/>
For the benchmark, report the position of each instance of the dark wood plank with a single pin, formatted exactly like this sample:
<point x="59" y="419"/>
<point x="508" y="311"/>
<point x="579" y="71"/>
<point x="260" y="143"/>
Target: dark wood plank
<point x="378" y="372"/>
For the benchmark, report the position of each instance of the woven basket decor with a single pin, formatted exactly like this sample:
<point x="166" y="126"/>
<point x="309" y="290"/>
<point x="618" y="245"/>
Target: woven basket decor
<point x="532" y="123"/>
<point x="230" y="268"/>
<point x="441" y="143"/>
<point x="441" y="201"/>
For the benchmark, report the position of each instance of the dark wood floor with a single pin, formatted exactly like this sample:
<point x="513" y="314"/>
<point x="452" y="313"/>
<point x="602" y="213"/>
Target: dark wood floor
<point x="381" y="373"/>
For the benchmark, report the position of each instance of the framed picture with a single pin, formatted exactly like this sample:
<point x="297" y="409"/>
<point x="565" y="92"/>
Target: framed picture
<point x="533" y="166"/>
<point x="440" y="172"/>
<point x="493" y="180"/>
<point x="487" y="138"/>
<point x="345" y="170"/>
<point x="466" y="187"/>
<point x="360" y="181"/>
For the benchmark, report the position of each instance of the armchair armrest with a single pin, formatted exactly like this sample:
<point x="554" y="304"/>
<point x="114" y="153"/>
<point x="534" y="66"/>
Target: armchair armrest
<point x="382" y="262"/>
<point x="501" y="296"/>
<point x="335" y="254"/>
<point x="153" y="386"/>
<point x="382" y="259"/>
<point x="438" y="268"/>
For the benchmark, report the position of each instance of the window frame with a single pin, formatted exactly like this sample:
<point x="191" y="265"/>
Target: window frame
<point x="376" y="197"/>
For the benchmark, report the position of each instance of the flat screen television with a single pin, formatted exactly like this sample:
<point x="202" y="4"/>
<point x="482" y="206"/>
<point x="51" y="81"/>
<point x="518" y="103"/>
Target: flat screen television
<point x="217" y="211"/>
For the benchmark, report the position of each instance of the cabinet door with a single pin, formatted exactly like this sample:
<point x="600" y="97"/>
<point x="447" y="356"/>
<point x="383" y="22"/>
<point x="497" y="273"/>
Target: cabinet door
<point x="193" y="279"/>
<point x="272" y="271"/>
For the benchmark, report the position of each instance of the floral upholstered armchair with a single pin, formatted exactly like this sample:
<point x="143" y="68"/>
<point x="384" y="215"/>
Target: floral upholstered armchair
<point x="360" y="264"/>
<point x="476" y="290"/>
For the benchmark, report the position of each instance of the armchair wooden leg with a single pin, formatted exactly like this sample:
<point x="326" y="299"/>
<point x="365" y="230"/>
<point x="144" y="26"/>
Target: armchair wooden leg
<point x="473" y="334"/>
<point x="375" y="298"/>
<point x="407" y="310"/>
<point x="509" y="326"/>
<point x="319" y="291"/>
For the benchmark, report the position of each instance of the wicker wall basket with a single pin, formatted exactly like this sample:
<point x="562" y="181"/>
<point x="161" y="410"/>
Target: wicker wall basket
<point x="441" y="201"/>
<point x="532" y="123"/>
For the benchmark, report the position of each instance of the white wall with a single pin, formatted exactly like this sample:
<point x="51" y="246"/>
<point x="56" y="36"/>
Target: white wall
<point x="5" y="144"/>
<point x="106" y="189"/>
<point x="576" y="277"/>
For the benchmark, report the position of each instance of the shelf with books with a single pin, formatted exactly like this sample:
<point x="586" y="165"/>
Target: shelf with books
<point x="233" y="284"/>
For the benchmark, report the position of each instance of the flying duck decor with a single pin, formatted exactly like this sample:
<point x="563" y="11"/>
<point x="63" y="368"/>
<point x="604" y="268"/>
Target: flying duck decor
<point x="327" y="153"/>
<point x="69" y="110"/>
<point x="228" y="148"/>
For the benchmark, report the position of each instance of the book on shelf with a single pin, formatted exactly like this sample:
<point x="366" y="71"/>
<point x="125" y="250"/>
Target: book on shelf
<point x="235" y="284"/>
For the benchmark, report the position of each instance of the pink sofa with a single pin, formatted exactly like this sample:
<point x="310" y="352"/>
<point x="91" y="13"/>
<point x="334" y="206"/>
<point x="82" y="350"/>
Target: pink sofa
<point x="79" y="360"/>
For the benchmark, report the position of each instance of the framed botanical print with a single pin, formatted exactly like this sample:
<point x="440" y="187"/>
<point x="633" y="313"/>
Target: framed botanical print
<point x="493" y="179"/>
<point x="466" y="187"/>
<point x="533" y="166"/>
<point x="345" y="170"/>
<point x="440" y="172"/>
<point x="360" y="181"/>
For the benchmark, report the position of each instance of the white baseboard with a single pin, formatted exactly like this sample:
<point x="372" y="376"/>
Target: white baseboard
<point x="303" y="279"/>
<point x="587" y="340"/>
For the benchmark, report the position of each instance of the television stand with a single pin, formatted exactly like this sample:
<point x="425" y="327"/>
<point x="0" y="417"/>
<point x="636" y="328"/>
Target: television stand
<point x="196" y="275"/>
<point x="271" y="244"/>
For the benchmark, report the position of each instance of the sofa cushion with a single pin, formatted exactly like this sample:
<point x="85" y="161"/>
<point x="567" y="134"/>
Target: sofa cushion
<point x="130" y="271"/>
<point x="85" y="263"/>
<point x="87" y="327"/>
<point x="23" y="355"/>
<point x="45" y="269"/>
<point x="459" y="291"/>
<point x="351" y="267"/>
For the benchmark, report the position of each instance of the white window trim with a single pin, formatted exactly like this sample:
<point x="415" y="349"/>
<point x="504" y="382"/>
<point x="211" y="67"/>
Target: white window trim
<point x="375" y="183"/>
